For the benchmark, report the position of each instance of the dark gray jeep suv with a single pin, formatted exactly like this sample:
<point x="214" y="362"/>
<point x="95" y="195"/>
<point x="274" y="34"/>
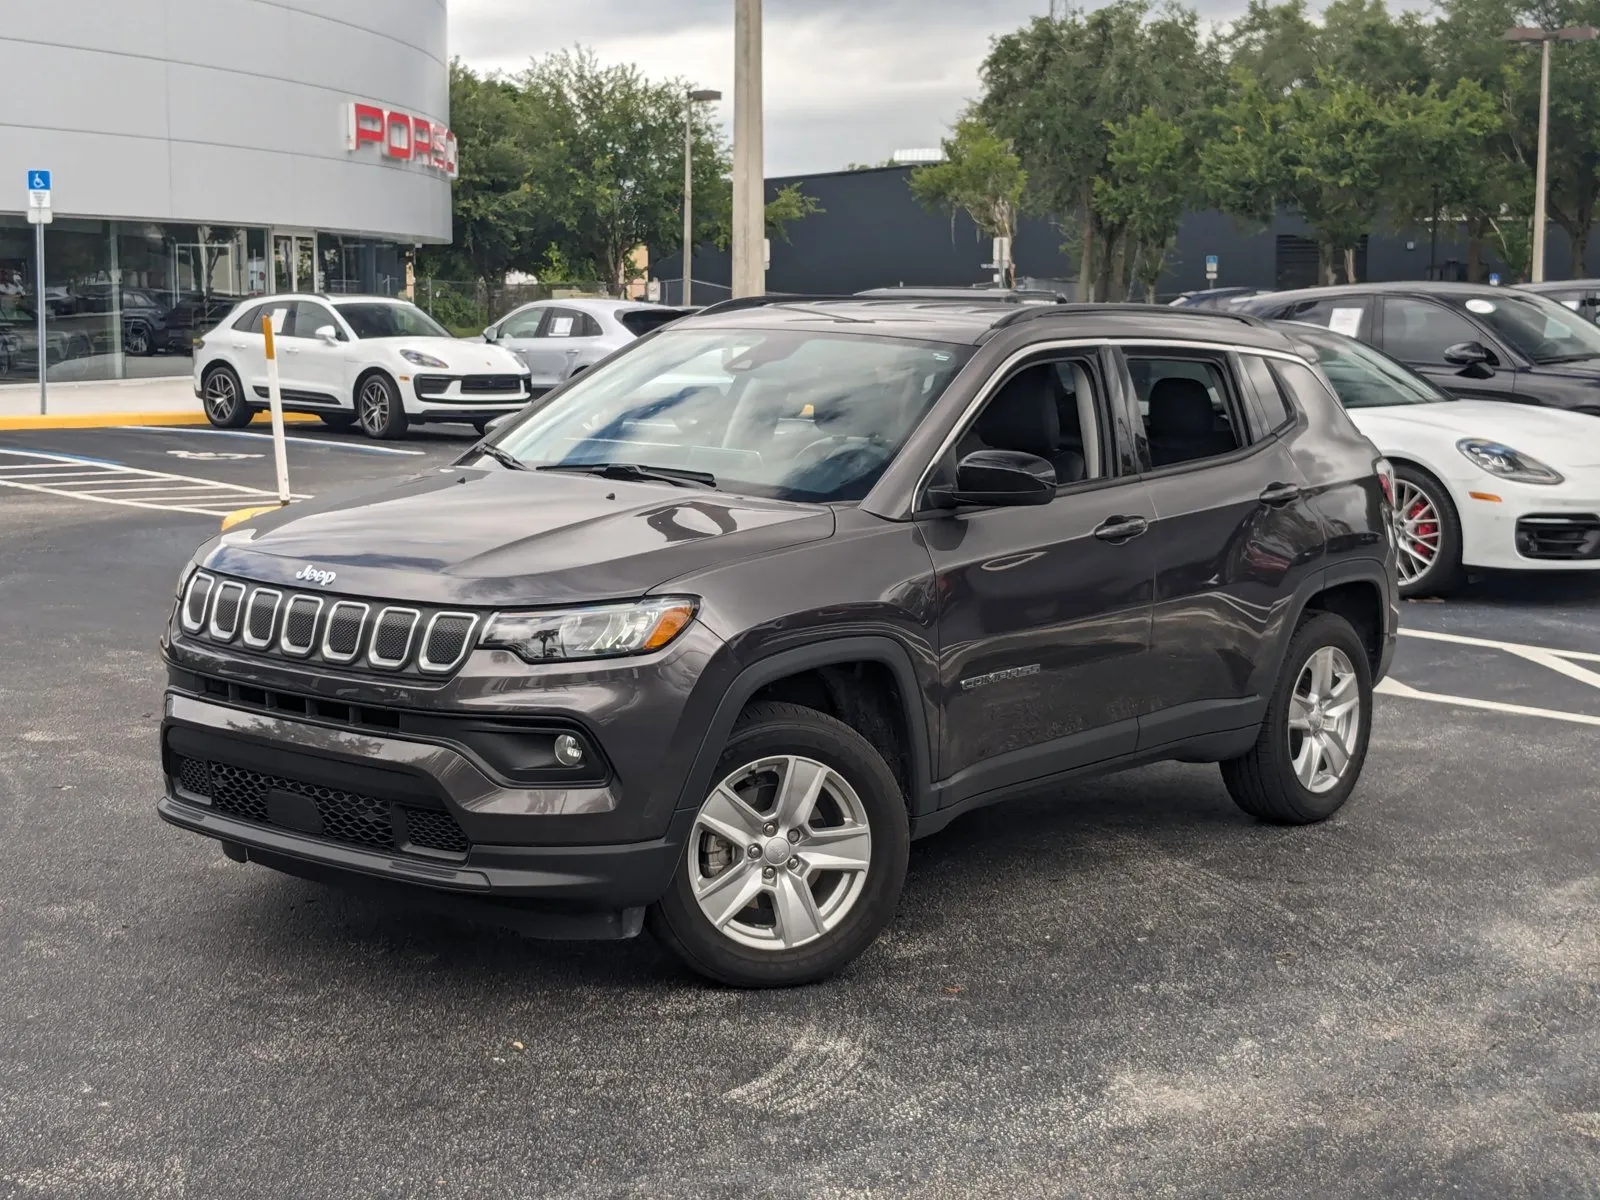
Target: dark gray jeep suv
<point x="706" y="638"/>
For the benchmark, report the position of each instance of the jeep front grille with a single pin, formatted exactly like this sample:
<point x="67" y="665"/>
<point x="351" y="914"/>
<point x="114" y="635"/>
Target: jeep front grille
<point x="338" y="632"/>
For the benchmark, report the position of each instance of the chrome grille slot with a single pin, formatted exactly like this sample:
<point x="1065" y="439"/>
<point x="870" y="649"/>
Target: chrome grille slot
<point x="299" y="634"/>
<point x="341" y="640"/>
<point x="196" y="598"/>
<point x="446" y="642"/>
<point x="391" y="637"/>
<point x="261" y="617"/>
<point x="225" y="611"/>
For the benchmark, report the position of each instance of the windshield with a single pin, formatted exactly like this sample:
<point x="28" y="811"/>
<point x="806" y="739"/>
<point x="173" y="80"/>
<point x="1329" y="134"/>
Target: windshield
<point x="780" y="413"/>
<point x="1537" y="328"/>
<point x="377" y="320"/>
<point x="1361" y="376"/>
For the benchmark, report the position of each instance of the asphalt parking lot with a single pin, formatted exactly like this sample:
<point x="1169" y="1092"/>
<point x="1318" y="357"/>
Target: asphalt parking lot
<point x="1127" y="990"/>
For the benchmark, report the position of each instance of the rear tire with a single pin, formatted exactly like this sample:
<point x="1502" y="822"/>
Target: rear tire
<point x="378" y="408"/>
<point x="1427" y="527"/>
<point x="223" y="396"/>
<point x="777" y="917"/>
<point x="338" y="420"/>
<point x="1305" y="725"/>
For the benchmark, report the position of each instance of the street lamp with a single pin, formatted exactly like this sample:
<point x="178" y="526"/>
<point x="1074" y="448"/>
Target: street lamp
<point x="700" y="96"/>
<point x="1526" y="33"/>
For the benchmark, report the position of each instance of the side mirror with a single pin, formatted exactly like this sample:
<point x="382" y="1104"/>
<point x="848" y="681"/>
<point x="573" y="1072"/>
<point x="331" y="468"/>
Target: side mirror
<point x="490" y="334"/>
<point x="497" y="422"/>
<point x="997" y="479"/>
<point x="329" y="334"/>
<point x="1469" y="354"/>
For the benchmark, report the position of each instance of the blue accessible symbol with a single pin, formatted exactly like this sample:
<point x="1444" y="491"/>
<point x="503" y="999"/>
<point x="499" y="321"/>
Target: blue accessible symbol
<point x="38" y="181"/>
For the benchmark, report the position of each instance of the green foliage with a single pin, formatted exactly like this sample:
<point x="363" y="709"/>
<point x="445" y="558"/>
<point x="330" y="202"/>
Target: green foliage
<point x="1148" y="182"/>
<point x="568" y="167"/>
<point x="980" y="176"/>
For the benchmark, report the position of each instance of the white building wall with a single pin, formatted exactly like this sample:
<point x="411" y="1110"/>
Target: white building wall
<point x="223" y="111"/>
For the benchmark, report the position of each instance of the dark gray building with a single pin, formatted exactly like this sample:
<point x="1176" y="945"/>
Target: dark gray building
<point x="872" y="233"/>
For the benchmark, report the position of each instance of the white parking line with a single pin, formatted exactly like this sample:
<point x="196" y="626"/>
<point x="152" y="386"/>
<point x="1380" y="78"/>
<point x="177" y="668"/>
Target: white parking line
<point x="1509" y="647"/>
<point x="1393" y="687"/>
<point x="325" y="443"/>
<point x="109" y="483"/>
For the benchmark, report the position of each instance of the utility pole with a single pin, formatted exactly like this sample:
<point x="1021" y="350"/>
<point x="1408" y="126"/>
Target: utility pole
<point x="749" y="175"/>
<point x="695" y="97"/>
<point x="1526" y="33"/>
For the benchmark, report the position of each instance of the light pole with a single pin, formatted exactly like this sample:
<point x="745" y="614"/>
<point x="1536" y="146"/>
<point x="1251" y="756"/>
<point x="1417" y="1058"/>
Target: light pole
<point x="749" y="180"/>
<point x="701" y="96"/>
<point x="1526" y="33"/>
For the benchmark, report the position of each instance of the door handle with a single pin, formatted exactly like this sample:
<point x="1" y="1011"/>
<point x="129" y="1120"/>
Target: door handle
<point x="1120" y="529"/>
<point x="291" y="349"/>
<point x="1279" y="494"/>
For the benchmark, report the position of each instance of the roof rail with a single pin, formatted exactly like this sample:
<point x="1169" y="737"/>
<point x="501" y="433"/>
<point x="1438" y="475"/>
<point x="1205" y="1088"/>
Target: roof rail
<point x="887" y="296"/>
<point x="1036" y="312"/>
<point x="742" y="302"/>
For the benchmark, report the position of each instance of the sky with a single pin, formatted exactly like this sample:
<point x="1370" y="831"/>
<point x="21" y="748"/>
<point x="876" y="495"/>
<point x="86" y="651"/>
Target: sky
<point x="846" y="81"/>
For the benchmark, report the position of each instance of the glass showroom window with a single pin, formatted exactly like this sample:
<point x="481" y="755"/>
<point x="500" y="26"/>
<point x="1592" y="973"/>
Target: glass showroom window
<point x="360" y="266"/>
<point x="123" y="299"/>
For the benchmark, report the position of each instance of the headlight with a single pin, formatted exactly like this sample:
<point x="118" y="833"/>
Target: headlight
<point x="599" y="631"/>
<point x="418" y="359"/>
<point x="1507" y="463"/>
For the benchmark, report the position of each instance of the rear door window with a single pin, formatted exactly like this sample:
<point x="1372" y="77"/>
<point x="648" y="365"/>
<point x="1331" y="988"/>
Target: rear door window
<point x="640" y="321"/>
<point x="1191" y="410"/>
<point x="1349" y="315"/>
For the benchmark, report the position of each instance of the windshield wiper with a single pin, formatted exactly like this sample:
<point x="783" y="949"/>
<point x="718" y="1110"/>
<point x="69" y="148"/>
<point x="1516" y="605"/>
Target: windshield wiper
<point x="1566" y="358"/>
<point x="509" y="461"/>
<point x="638" y="473"/>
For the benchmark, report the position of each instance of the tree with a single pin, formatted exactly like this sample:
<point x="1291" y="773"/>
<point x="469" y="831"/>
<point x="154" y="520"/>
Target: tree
<point x="1148" y="182"/>
<point x="1056" y="87"/>
<point x="980" y="176"/>
<point x="501" y="208"/>
<point x="619" y="182"/>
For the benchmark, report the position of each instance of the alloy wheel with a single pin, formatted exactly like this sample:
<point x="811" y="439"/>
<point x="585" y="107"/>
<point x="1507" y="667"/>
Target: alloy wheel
<point x="1324" y="719"/>
<point x="780" y="853"/>
<point x="221" y="396"/>
<point x="1418" y="530"/>
<point x="138" y="341"/>
<point x="374" y="406"/>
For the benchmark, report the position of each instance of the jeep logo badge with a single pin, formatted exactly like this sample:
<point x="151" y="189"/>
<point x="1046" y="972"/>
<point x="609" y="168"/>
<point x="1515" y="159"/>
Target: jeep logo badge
<point x="317" y="575"/>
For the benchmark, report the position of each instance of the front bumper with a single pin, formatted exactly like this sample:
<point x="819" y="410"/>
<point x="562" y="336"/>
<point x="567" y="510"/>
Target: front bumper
<point x="1530" y="527"/>
<point x="337" y="791"/>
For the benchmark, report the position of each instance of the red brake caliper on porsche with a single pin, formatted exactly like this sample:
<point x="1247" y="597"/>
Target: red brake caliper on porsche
<point x="1426" y="529"/>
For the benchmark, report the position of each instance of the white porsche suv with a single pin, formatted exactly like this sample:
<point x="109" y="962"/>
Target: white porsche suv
<point x="383" y="364"/>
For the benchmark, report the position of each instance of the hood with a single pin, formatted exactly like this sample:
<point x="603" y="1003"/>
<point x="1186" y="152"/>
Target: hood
<point x="465" y="357"/>
<point x="1553" y="436"/>
<point x="482" y="537"/>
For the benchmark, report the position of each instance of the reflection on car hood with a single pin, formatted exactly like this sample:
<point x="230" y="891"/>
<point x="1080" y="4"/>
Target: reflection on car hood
<point x="1553" y="436"/>
<point x="491" y="537"/>
<point x="464" y="357"/>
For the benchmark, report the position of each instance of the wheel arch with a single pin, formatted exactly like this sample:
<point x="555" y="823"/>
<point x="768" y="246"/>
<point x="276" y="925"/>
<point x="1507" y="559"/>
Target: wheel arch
<point x="366" y="374"/>
<point x="809" y="666"/>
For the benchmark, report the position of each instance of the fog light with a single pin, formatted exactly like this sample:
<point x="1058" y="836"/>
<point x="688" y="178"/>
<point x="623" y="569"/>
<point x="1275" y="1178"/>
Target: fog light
<point x="569" y="750"/>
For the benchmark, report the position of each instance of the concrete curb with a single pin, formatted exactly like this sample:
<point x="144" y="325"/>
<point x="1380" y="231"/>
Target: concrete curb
<point x="106" y="419"/>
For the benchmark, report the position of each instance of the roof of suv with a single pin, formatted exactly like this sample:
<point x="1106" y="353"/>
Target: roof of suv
<point x="1422" y="287"/>
<point x="974" y="321"/>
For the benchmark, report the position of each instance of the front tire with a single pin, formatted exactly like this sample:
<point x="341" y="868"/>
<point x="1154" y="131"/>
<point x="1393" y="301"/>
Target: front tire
<point x="223" y="396"/>
<point x="138" y="342"/>
<point x="1313" y="740"/>
<point x="379" y="410"/>
<point x="797" y="858"/>
<point x="1427" y="533"/>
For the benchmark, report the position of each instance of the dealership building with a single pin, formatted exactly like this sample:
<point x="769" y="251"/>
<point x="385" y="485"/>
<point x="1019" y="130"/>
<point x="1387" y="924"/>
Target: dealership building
<point x="202" y="151"/>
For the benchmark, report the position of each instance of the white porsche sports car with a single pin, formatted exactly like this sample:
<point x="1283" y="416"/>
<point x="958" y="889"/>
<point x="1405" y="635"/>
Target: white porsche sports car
<point x="380" y="363"/>
<point x="1478" y="483"/>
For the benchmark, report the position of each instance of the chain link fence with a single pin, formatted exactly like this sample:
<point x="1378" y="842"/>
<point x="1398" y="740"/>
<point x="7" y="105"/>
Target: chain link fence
<point x="467" y="307"/>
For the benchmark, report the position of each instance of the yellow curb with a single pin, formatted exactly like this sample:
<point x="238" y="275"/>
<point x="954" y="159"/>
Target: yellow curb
<point x="104" y="420"/>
